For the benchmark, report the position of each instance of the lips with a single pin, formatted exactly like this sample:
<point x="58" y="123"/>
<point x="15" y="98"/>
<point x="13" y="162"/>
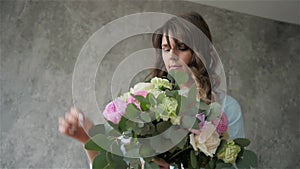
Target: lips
<point x="175" y="67"/>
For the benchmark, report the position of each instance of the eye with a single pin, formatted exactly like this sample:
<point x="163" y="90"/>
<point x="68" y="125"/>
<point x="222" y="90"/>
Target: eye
<point x="182" y="47"/>
<point x="166" y="49"/>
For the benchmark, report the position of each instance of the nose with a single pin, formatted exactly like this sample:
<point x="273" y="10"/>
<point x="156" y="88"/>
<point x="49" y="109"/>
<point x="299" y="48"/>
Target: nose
<point x="173" y="54"/>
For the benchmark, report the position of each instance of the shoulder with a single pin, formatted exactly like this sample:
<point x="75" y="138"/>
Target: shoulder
<point x="232" y="109"/>
<point x="230" y="101"/>
<point x="233" y="112"/>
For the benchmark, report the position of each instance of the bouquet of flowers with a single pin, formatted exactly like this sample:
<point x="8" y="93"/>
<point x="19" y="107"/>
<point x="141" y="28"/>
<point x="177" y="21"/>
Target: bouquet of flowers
<point x="159" y="120"/>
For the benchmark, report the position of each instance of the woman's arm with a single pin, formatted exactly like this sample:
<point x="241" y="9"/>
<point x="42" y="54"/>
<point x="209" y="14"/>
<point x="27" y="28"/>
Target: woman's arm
<point x="76" y="126"/>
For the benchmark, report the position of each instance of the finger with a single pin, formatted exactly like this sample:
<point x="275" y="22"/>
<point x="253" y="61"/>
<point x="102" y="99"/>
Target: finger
<point x="67" y="128"/>
<point x="72" y="130"/>
<point x="74" y="111"/>
<point x="65" y="123"/>
<point x="62" y="129"/>
<point x="80" y="119"/>
<point x="162" y="163"/>
<point x="79" y="115"/>
<point x="62" y="123"/>
<point x="71" y="119"/>
<point x="72" y="122"/>
<point x="60" y="120"/>
<point x="143" y="165"/>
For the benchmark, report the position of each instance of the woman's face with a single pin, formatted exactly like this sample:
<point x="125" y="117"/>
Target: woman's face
<point x="176" y="56"/>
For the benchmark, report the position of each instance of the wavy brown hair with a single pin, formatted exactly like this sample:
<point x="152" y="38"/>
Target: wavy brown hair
<point x="192" y="30"/>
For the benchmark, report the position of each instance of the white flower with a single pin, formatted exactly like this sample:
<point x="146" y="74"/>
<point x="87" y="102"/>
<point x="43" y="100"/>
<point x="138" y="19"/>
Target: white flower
<point x="141" y="87"/>
<point x="207" y="141"/>
<point x="159" y="82"/>
<point x="125" y="96"/>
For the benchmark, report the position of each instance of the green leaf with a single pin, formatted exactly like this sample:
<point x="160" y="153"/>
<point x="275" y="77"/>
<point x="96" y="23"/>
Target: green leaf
<point x="192" y="95"/>
<point x="221" y="165"/>
<point x="132" y="111"/>
<point x="146" y="151"/>
<point x="188" y="106"/>
<point x="91" y="145"/>
<point x="203" y="105"/>
<point x="171" y="93"/>
<point x="243" y="142"/>
<point x="180" y="77"/>
<point x="148" y="129"/>
<point x="182" y="143"/>
<point x="97" y="141"/>
<point x="115" y="148"/>
<point x="144" y="106"/>
<point x="212" y="163"/>
<point x="134" y="126"/>
<point x="113" y="133"/>
<point x="220" y="147"/>
<point x="96" y="130"/>
<point x="160" y="98"/>
<point x="241" y="152"/>
<point x="194" y="162"/>
<point x="184" y="104"/>
<point x="115" y="161"/>
<point x="114" y="126"/>
<point x="146" y="117"/>
<point x="242" y="164"/>
<point x="159" y="144"/>
<point x="151" y="165"/>
<point x="188" y="122"/>
<point x="151" y="99"/>
<point x="250" y="157"/>
<point x="100" y="161"/>
<point x="140" y="99"/>
<point x="178" y="135"/>
<point x="122" y="125"/>
<point x="193" y="111"/>
<point x="158" y="109"/>
<point x="215" y="110"/>
<point x="163" y="126"/>
<point x="134" y="163"/>
<point x="132" y="150"/>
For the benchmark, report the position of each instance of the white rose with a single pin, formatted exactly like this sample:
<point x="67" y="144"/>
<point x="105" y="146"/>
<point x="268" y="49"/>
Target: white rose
<point x="207" y="141"/>
<point x="141" y="87"/>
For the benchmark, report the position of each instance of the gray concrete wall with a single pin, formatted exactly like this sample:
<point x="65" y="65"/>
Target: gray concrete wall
<point x="40" y="42"/>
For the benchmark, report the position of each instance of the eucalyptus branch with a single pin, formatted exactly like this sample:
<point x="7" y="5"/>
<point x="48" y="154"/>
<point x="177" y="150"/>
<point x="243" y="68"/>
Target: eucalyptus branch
<point x="179" y="152"/>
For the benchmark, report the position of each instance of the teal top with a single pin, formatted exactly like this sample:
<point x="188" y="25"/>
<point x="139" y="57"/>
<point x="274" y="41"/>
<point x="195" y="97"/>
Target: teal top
<point x="233" y="112"/>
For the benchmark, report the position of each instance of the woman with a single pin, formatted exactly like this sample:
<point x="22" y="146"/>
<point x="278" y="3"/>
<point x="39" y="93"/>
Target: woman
<point x="182" y="43"/>
<point x="185" y="42"/>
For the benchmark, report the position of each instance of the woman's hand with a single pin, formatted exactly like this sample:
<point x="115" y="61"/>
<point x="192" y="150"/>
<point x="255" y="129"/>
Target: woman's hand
<point x="75" y="125"/>
<point x="161" y="163"/>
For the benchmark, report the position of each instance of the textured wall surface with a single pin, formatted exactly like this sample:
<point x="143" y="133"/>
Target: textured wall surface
<point x="40" y="42"/>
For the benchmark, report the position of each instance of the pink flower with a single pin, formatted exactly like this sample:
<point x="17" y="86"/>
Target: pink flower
<point x="221" y="123"/>
<point x="132" y="99"/>
<point x="115" y="110"/>
<point x="201" y="117"/>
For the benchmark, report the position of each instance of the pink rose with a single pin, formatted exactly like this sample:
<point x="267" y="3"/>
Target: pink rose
<point x="132" y="99"/>
<point x="221" y="123"/>
<point x="115" y="110"/>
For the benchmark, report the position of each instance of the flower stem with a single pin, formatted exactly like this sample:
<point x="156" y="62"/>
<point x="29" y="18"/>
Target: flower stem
<point x="179" y="152"/>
